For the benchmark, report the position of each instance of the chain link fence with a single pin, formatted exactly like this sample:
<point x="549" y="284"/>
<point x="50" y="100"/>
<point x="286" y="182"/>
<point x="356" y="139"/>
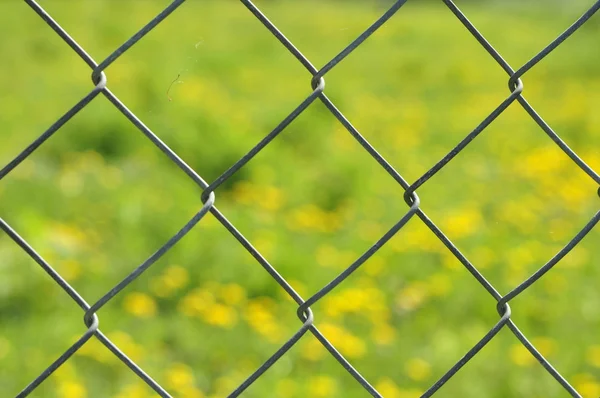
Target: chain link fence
<point x="304" y="313"/>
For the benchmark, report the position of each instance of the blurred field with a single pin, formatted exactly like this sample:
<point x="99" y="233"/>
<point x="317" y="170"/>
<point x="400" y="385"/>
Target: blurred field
<point x="98" y="198"/>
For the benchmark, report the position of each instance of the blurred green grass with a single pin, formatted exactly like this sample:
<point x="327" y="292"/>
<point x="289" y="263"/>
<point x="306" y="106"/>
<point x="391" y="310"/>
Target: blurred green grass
<point x="98" y="198"/>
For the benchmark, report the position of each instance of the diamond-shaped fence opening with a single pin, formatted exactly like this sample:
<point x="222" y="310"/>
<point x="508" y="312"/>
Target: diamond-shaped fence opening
<point x="414" y="209"/>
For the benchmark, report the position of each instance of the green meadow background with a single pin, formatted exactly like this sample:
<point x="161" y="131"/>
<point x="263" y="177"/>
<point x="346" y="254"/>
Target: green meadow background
<point x="98" y="198"/>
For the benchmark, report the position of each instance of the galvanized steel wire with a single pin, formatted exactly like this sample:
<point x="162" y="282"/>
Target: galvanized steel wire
<point x="208" y="197"/>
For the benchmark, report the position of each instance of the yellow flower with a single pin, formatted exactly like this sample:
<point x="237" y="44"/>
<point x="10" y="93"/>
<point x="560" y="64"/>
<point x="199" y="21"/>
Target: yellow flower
<point x="374" y="266"/>
<point x="220" y="315"/>
<point x="260" y="317"/>
<point x="244" y="192"/>
<point x="224" y="385"/>
<point x="348" y="344"/>
<point x="383" y="334"/>
<point x="593" y="355"/>
<point x="543" y="160"/>
<point x="586" y="385"/>
<point x="196" y="302"/>
<point x="322" y="386"/>
<point x="140" y="305"/>
<point x="270" y="198"/>
<point x="313" y="350"/>
<point x="65" y="372"/>
<point x="545" y="345"/>
<point x="126" y="344"/>
<point x="232" y="294"/>
<point x="387" y="388"/>
<point x="71" y="389"/>
<point x="521" y="356"/>
<point x="265" y="242"/>
<point x="180" y="376"/>
<point x="462" y="223"/>
<point x="312" y="218"/>
<point x="95" y="350"/>
<point x="417" y="369"/>
<point x="174" y="278"/>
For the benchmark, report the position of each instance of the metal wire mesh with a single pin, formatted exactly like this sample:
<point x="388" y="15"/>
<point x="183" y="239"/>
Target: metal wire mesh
<point x="304" y="312"/>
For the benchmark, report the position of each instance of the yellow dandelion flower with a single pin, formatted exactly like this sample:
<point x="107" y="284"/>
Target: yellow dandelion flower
<point x="586" y="385"/>
<point x="545" y="345"/>
<point x="411" y="393"/>
<point x="140" y="305"/>
<point x="543" y="160"/>
<point x="450" y="261"/>
<point x="313" y="350"/>
<point x="71" y="389"/>
<point x="520" y="257"/>
<point x="308" y="218"/>
<point x="298" y="286"/>
<point x="196" y="302"/>
<point x="348" y="344"/>
<point x="462" y="223"/>
<point x="270" y="198"/>
<point x="159" y="288"/>
<point x="220" y="315"/>
<point x="179" y="376"/>
<point x="95" y="350"/>
<point x="383" y="334"/>
<point x="65" y="372"/>
<point x="224" y="385"/>
<point x="260" y="317"/>
<point x="387" y="388"/>
<point x="244" y="192"/>
<point x="592" y="355"/>
<point x="265" y="245"/>
<point x="176" y="277"/>
<point x="374" y="266"/>
<point x="417" y="369"/>
<point x="322" y="386"/>
<point x="126" y="343"/>
<point x="232" y="294"/>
